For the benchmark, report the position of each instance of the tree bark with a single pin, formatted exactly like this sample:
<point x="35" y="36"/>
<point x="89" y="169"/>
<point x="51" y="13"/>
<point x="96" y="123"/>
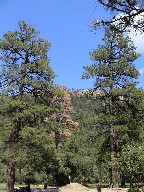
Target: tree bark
<point x="10" y="163"/>
<point x="10" y="176"/>
<point x="123" y="181"/>
<point x="20" y="174"/>
<point x="114" y="170"/>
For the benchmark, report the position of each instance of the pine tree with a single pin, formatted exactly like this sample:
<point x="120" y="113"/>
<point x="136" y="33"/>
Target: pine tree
<point x="115" y="76"/>
<point x="126" y="14"/>
<point x="26" y="92"/>
<point x="62" y="126"/>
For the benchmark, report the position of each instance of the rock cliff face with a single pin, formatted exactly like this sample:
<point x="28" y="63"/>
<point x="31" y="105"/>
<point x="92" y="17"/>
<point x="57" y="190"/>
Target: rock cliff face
<point x="88" y="92"/>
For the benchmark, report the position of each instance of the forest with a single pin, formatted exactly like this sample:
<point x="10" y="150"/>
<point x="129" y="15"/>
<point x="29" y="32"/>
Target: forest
<point x="51" y="135"/>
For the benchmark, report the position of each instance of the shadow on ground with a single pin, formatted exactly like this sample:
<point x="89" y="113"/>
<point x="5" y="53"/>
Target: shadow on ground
<point x="49" y="189"/>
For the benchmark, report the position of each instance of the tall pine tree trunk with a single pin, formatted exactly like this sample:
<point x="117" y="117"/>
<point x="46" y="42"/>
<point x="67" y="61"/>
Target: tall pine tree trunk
<point x="114" y="170"/>
<point x="20" y="173"/>
<point x="10" y="176"/>
<point x="10" y="163"/>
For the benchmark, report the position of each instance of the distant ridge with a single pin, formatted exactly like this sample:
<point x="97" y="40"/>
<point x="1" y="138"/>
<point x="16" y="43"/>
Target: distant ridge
<point x="87" y="92"/>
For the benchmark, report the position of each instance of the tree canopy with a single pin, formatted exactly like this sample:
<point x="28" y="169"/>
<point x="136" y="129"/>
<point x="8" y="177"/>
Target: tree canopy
<point x="115" y="76"/>
<point x="26" y="92"/>
<point x="125" y="14"/>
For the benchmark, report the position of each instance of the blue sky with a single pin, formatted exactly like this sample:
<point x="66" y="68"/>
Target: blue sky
<point x="64" y="23"/>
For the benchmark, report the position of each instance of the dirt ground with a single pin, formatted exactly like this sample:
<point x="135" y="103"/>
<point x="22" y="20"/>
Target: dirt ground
<point x="76" y="187"/>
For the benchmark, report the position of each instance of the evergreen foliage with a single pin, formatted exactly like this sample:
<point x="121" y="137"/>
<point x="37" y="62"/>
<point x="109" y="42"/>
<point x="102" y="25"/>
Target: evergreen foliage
<point x="121" y="115"/>
<point x="125" y="14"/>
<point x="26" y="92"/>
<point x="50" y="134"/>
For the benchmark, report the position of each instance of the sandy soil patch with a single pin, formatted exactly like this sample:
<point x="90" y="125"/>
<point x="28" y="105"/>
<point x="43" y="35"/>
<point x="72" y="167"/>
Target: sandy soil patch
<point x="73" y="187"/>
<point x="76" y="187"/>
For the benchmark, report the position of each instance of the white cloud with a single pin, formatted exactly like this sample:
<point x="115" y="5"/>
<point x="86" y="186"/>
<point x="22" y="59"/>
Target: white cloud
<point x="141" y="71"/>
<point x="136" y="37"/>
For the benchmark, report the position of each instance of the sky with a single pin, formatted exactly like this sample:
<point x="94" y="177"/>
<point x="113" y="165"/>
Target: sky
<point x="66" y="25"/>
